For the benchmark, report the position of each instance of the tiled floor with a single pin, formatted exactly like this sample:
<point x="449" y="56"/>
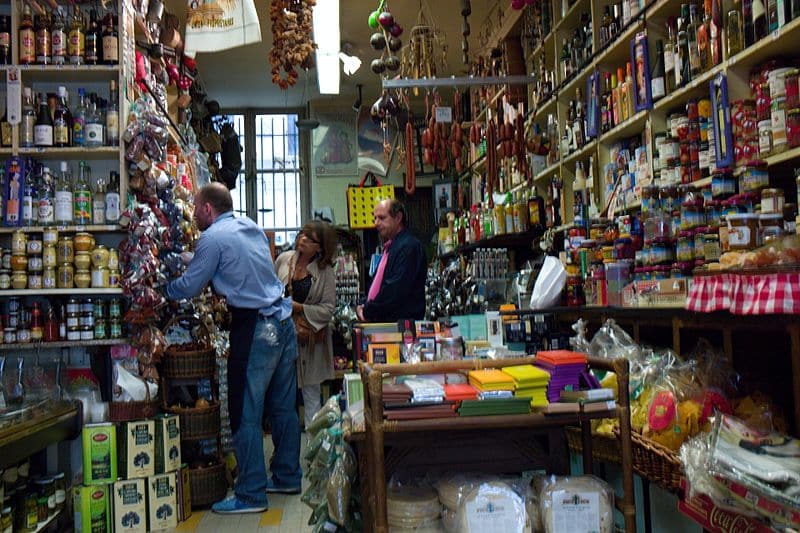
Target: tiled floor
<point x="287" y="514"/>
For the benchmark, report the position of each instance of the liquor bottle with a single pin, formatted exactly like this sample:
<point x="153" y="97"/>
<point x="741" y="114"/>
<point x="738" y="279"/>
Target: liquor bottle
<point x="5" y="130"/>
<point x="657" y="77"/>
<point x="99" y="202"/>
<point x="614" y="27"/>
<point x="27" y="37"/>
<point x="64" y="205"/>
<point x="682" y="60"/>
<point x="26" y="131"/>
<point x="605" y="27"/>
<point x="566" y="58"/>
<point x="62" y="120"/>
<point x="759" y="20"/>
<point x="715" y="33"/>
<point x="604" y="96"/>
<point x="578" y="128"/>
<point x="82" y="197"/>
<point x="45" y="213"/>
<point x="627" y="95"/>
<point x="43" y="130"/>
<point x="110" y="40"/>
<point x="112" y="116"/>
<point x="622" y="92"/>
<point x="669" y="57"/>
<point x="79" y="120"/>
<point x="692" y="31"/>
<point x="43" y="43"/>
<point x="748" y="30"/>
<point x="112" y="198"/>
<point x="615" y="108"/>
<point x="535" y="210"/>
<point x="58" y="37"/>
<point x="5" y="40"/>
<point x="94" y="125"/>
<point x="76" y="47"/>
<point x="704" y="37"/>
<point x="29" y="215"/>
<point x="734" y="32"/>
<point x="93" y="40"/>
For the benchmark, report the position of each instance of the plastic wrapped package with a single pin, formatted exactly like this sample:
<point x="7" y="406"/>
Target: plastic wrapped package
<point x="675" y="407"/>
<point x="409" y="507"/>
<point x="611" y="341"/>
<point x="492" y="506"/>
<point x="328" y="415"/>
<point x="340" y="484"/>
<point x="452" y="488"/>
<point x="313" y="446"/>
<point x="759" y="412"/>
<point x="577" y="504"/>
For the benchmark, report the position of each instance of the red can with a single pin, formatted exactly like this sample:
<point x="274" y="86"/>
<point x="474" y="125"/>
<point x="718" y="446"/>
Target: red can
<point x="763" y="102"/>
<point x="792" y="83"/>
<point x="691" y="109"/>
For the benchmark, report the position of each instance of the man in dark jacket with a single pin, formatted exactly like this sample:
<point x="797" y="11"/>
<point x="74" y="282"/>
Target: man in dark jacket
<point x="398" y="288"/>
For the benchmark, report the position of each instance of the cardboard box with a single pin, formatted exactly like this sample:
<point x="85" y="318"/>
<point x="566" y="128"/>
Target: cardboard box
<point x="91" y="509"/>
<point x="128" y="505"/>
<point x="168" y="443"/>
<point x="99" y="453"/>
<point x="662" y="293"/>
<point x="353" y="390"/>
<point x="162" y="502"/>
<point x="137" y="449"/>
<point x="184" y="495"/>
<point x="705" y="512"/>
<point x="384" y="353"/>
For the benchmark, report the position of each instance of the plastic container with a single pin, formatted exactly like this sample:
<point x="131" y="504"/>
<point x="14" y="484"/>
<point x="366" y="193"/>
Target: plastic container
<point x="743" y="231"/>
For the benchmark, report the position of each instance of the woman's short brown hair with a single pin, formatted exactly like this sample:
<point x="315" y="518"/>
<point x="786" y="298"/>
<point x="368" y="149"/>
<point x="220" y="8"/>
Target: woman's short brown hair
<point x="326" y="236"/>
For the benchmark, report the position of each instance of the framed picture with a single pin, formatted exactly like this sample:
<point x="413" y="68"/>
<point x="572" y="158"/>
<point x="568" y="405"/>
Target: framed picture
<point x="372" y="138"/>
<point x="642" y="97"/>
<point x="334" y="145"/>
<point x="444" y="192"/>
<point x="592" y="104"/>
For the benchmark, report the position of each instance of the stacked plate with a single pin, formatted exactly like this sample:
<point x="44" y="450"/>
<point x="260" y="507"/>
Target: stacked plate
<point x="413" y="509"/>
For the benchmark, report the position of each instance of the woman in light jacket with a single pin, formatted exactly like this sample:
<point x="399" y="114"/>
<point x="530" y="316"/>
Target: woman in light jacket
<point x="307" y="273"/>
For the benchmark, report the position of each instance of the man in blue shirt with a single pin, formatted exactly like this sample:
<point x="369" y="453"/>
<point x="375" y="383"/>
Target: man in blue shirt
<point x="234" y="254"/>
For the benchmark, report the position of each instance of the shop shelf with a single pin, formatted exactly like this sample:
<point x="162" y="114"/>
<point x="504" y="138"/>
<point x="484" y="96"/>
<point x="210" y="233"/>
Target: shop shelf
<point x="579" y="155"/>
<point x="92" y="228"/>
<point x="572" y="17"/>
<point x="482" y="115"/>
<point x="784" y="156"/>
<point x="578" y="80"/>
<point x="696" y="88"/>
<point x="509" y="240"/>
<point x="540" y="112"/>
<point x="60" y="422"/>
<point x="6" y="151"/>
<point x="626" y="129"/>
<point x="781" y="42"/>
<point x="106" y="153"/>
<point x="63" y="344"/>
<point x="547" y="172"/>
<point x="44" y="525"/>
<point x="618" y="52"/>
<point x="61" y="292"/>
<point x="541" y="46"/>
<point x="69" y="73"/>
<point x="511" y="17"/>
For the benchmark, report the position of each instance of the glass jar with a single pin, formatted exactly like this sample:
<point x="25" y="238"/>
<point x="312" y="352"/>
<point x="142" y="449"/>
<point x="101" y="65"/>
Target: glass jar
<point x="772" y="201"/>
<point x="742" y="231"/>
<point x="7" y="520"/>
<point x="764" y="138"/>
<point x="790" y="83"/>
<point x="49" y="257"/>
<point x="49" y="278"/>
<point x="113" y="278"/>
<point x="50" y="236"/>
<point x="771" y="226"/>
<point x="113" y="259"/>
<point x="711" y="248"/>
<point x="754" y="177"/>
<point x="713" y="212"/>
<point x="5" y="279"/>
<point x="19" y="280"/>
<point x="100" y="277"/>
<point x="34" y="246"/>
<point x="19" y="242"/>
<point x="793" y="128"/>
<point x="82" y="279"/>
<point x="692" y="214"/>
<point x="66" y="277"/>
<point x="662" y="252"/>
<point x="699" y="242"/>
<point x="42" y="513"/>
<point x="778" y="124"/>
<point x="31" y="511"/>
<point x="763" y="101"/>
<point x="35" y="281"/>
<point x="35" y="263"/>
<point x="60" y="490"/>
<point x="83" y="260"/>
<point x="100" y="256"/>
<point x="723" y="184"/>
<point x="685" y="246"/>
<point x="19" y="263"/>
<point x="65" y="250"/>
<point x="84" y="242"/>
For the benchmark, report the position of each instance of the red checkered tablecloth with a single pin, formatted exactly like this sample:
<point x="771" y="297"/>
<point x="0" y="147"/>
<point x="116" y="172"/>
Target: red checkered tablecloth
<point x="746" y="294"/>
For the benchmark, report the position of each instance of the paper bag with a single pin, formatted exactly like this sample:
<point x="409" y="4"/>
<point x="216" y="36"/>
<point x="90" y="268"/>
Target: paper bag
<point x="549" y="284"/>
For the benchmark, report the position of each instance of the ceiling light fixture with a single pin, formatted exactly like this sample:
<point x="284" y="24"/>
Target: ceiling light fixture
<point x="350" y="64"/>
<point x="327" y="37"/>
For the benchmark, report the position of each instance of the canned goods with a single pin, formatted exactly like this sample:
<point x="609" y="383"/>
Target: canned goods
<point x="34" y="246"/>
<point x="87" y="333"/>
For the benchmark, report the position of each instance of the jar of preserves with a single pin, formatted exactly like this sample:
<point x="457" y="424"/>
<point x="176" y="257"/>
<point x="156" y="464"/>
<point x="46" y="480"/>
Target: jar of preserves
<point x="73" y="306"/>
<point x="685" y="246"/>
<point x="743" y="231"/>
<point x="699" y="242"/>
<point x="65" y="250"/>
<point x="82" y="279"/>
<point x="113" y="278"/>
<point x="778" y="125"/>
<point x="84" y="242"/>
<point x="764" y="138"/>
<point x="754" y="177"/>
<point x="42" y="513"/>
<point x="100" y="328"/>
<point x="711" y="248"/>
<point x="19" y="243"/>
<point x="60" y="490"/>
<point x="763" y="101"/>
<point x="83" y="260"/>
<point x="66" y="276"/>
<point x="50" y="236"/>
<point x="113" y="259"/>
<point x="31" y="510"/>
<point x="19" y="280"/>
<point x="35" y="281"/>
<point x="49" y="257"/>
<point x="19" y="263"/>
<point x="790" y="83"/>
<point x="87" y="333"/>
<point x="5" y="279"/>
<point x="34" y="246"/>
<point x="772" y="201"/>
<point x="74" y="333"/>
<point x="100" y="256"/>
<point x="35" y="263"/>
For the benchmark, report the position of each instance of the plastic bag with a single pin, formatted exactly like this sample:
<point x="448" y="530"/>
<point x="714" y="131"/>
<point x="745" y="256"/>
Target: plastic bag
<point x="492" y="506"/>
<point x="328" y="415"/>
<point x="561" y="496"/>
<point x="675" y="407"/>
<point x="340" y="485"/>
<point x="130" y="388"/>
<point x="549" y="284"/>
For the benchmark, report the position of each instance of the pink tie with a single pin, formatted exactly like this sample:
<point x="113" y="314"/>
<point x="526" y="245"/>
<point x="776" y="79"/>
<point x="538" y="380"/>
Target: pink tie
<point x="375" y="288"/>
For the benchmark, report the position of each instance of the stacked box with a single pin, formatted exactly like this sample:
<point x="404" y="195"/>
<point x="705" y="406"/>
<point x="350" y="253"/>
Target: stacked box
<point x="168" y="443"/>
<point x="184" y="493"/>
<point x="99" y="453"/>
<point x="129" y="507"/>
<point x="91" y="510"/>
<point x="137" y="449"/>
<point x="162" y="503"/>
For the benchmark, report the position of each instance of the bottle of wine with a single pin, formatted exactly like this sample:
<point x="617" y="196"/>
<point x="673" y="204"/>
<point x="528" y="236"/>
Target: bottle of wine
<point x="110" y="40"/>
<point x="112" y="117"/>
<point x="46" y="215"/>
<point x="692" y="34"/>
<point x="26" y="127"/>
<point x="62" y="120"/>
<point x="93" y="40"/>
<point x="79" y="120"/>
<point x="58" y="37"/>
<point x="82" y="197"/>
<point x="76" y="47"/>
<point x="5" y="130"/>
<point x="112" y="199"/>
<point x="682" y="61"/>
<point x="657" y="78"/>
<point x="43" y="130"/>
<point x="63" y="207"/>
<point x="759" y="20"/>
<point x="27" y="37"/>
<point x="94" y="125"/>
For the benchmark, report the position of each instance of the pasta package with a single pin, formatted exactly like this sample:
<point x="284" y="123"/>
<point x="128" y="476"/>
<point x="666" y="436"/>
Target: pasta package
<point x="579" y="504"/>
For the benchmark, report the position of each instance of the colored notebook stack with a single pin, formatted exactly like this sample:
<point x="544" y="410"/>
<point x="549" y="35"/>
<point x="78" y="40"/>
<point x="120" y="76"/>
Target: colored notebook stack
<point x="459" y="391"/>
<point x="529" y="382"/>
<point x="502" y="406"/>
<point x="490" y="380"/>
<point x="565" y="370"/>
<point x="396" y="394"/>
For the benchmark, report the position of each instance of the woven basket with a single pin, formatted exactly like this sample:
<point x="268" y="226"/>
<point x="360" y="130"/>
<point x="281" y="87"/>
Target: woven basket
<point x="202" y="340"/>
<point x="198" y="422"/>
<point x="127" y="411"/>
<point x="658" y="464"/>
<point x="189" y="364"/>
<point x="207" y="485"/>
<point x="605" y="448"/>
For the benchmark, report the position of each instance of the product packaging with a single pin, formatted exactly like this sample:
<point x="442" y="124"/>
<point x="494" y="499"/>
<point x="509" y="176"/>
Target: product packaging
<point x="91" y="509"/>
<point x="162" y="502"/>
<point x="129" y="507"/>
<point x="99" y="453"/>
<point x="136" y="449"/>
<point x="168" y="443"/>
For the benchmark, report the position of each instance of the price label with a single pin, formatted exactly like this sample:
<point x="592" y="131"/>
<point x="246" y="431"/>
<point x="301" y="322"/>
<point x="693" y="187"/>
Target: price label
<point x="14" y="96"/>
<point x="444" y="114"/>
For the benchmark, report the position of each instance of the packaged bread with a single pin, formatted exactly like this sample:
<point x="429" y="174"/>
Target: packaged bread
<point x="492" y="506"/>
<point x="577" y="504"/>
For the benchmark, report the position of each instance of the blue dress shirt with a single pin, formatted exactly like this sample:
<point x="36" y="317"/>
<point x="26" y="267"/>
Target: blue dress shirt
<point x="234" y="254"/>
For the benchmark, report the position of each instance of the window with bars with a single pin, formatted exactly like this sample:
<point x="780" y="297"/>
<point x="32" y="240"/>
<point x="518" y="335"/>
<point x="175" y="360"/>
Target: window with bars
<point x="268" y="188"/>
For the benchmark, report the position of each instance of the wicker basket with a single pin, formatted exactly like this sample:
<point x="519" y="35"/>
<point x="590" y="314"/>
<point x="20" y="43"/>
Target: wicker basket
<point x="658" y="464"/>
<point x="126" y="411"/>
<point x="207" y="485"/>
<point x="605" y="448"/>
<point x="189" y="364"/>
<point x="198" y="422"/>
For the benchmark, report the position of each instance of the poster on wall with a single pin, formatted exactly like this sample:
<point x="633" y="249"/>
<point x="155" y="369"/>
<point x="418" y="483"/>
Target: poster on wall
<point x="334" y="145"/>
<point x="376" y="144"/>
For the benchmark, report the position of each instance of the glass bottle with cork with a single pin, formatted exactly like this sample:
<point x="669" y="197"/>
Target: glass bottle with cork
<point x="58" y="37"/>
<point x="76" y="46"/>
<point x="82" y="203"/>
<point x="27" y="37"/>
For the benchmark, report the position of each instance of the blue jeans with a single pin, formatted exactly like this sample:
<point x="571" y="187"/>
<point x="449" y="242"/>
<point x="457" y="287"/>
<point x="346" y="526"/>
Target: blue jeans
<point x="271" y="379"/>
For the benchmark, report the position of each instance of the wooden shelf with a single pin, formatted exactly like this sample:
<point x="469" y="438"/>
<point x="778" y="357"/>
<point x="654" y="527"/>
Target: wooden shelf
<point x="618" y="52"/>
<point x="580" y="154"/>
<point x="541" y="111"/>
<point x="61" y="292"/>
<point x="626" y="129"/>
<point x="546" y="172"/>
<point x="781" y="42"/>
<point x="92" y="228"/>
<point x="694" y="89"/>
<point x="511" y="17"/>
<point x="74" y="152"/>
<point x="37" y="432"/>
<point x="786" y="155"/>
<point x="573" y="16"/>
<point x="482" y="115"/>
<point x="63" y="344"/>
<point x="508" y="240"/>
<point x="578" y="80"/>
<point x="69" y="73"/>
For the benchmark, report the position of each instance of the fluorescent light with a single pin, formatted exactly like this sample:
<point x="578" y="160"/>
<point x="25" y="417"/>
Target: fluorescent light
<point x="327" y="37"/>
<point x="350" y="64"/>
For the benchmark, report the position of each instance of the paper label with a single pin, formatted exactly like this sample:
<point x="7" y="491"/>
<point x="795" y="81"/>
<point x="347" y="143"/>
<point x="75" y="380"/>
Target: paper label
<point x="14" y="96"/>
<point x="444" y="114"/>
<point x="576" y="512"/>
<point x="483" y="515"/>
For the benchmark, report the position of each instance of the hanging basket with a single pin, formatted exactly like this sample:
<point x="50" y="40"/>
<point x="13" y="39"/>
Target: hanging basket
<point x="207" y="485"/>
<point x="198" y="422"/>
<point x="191" y="360"/>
